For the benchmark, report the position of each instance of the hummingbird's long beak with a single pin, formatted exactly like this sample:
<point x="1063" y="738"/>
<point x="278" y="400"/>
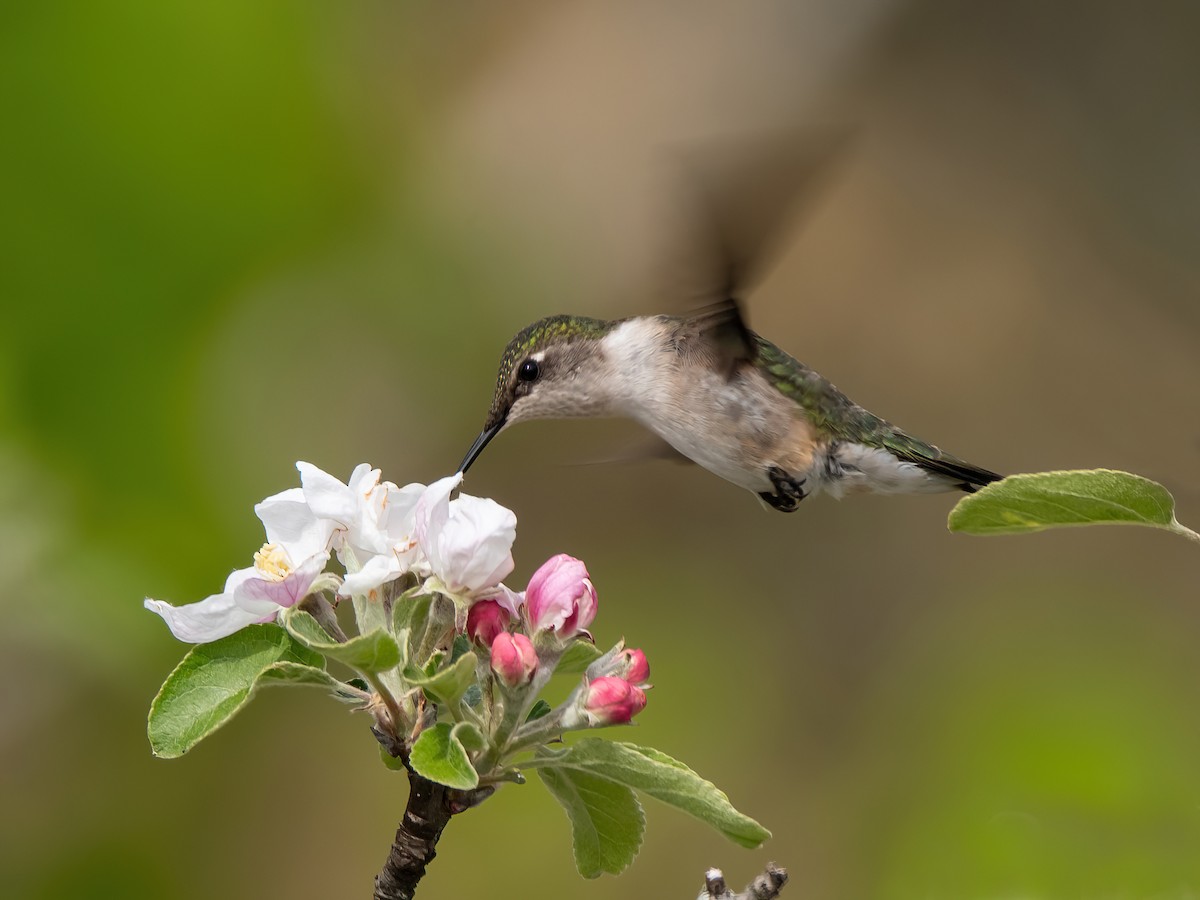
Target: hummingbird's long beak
<point x="480" y="442"/>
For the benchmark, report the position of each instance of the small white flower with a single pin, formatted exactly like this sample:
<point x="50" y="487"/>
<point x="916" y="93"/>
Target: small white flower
<point x="254" y="594"/>
<point x="466" y="541"/>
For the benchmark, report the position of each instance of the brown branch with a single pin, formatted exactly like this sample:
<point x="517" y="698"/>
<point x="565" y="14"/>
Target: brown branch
<point x="429" y="809"/>
<point x="430" y="806"/>
<point x="766" y="886"/>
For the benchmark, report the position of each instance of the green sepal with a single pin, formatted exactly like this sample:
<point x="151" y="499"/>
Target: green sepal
<point x="376" y="651"/>
<point x="607" y="821"/>
<point x="439" y="755"/>
<point x="577" y="657"/>
<point x="214" y="681"/>
<point x="410" y="618"/>
<point x="395" y="763"/>
<point x="446" y="686"/>
<point x="540" y="709"/>
<point x="1040" y="500"/>
<point x="654" y="773"/>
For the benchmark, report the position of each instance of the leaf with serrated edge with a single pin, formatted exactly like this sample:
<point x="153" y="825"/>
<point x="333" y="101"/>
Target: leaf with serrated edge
<point x="215" y="680"/>
<point x="439" y="756"/>
<point x="1040" y="500"/>
<point x="607" y="822"/>
<point x="661" y="777"/>
<point x="376" y="651"/>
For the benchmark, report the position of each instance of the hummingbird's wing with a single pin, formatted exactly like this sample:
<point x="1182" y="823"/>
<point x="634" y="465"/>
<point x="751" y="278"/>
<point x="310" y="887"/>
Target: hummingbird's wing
<point x="722" y="332"/>
<point x="739" y="220"/>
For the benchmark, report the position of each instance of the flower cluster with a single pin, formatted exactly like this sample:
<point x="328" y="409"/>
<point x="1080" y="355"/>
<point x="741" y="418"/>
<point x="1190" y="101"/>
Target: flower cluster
<point x="425" y="569"/>
<point x="379" y="532"/>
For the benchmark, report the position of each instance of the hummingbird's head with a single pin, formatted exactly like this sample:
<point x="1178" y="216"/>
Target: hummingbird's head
<point x="548" y="371"/>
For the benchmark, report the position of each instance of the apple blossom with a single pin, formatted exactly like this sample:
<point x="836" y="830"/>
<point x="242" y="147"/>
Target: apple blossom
<point x="561" y="597"/>
<point x="467" y="541"/>
<point x="513" y="658"/>
<point x="633" y="666"/>
<point x="254" y="594"/>
<point x="485" y="620"/>
<point x="370" y="522"/>
<point x="611" y="701"/>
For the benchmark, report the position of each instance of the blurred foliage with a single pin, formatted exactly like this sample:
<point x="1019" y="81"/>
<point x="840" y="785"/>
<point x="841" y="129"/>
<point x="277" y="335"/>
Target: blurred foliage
<point x="239" y="234"/>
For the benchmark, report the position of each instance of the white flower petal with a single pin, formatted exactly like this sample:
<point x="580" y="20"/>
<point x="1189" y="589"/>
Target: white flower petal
<point x="363" y="479"/>
<point x="510" y="600"/>
<point x="215" y="617"/>
<point x="476" y="544"/>
<point x="327" y="497"/>
<point x="377" y="571"/>
<point x="291" y="524"/>
<point x="431" y="515"/>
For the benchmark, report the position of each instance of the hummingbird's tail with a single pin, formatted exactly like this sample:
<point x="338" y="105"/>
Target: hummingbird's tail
<point x="959" y="473"/>
<point x="967" y="477"/>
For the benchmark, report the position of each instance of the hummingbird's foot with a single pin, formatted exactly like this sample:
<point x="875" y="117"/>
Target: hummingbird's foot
<point x="788" y="493"/>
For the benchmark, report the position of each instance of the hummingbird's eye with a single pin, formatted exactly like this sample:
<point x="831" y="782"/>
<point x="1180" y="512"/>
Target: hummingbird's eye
<point x="529" y="370"/>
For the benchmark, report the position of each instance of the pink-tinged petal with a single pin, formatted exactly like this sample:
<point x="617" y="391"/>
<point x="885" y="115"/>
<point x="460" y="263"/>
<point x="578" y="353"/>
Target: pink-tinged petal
<point x="253" y="593"/>
<point x="486" y="620"/>
<point x="561" y="597"/>
<point x="215" y="617"/>
<point x="513" y="658"/>
<point x="510" y="600"/>
<point x="612" y="701"/>
<point x="636" y="668"/>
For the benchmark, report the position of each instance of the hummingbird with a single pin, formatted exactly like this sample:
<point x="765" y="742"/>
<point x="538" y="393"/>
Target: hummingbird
<point x="713" y="392"/>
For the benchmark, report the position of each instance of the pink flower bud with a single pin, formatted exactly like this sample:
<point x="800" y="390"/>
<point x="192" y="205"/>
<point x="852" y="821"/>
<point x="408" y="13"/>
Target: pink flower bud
<point x="485" y="620"/>
<point x="513" y="658"/>
<point x="634" y="665"/>
<point x="560" y="597"/>
<point x="612" y="701"/>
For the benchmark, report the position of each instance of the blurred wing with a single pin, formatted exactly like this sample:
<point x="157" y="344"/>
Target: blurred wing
<point x="741" y="194"/>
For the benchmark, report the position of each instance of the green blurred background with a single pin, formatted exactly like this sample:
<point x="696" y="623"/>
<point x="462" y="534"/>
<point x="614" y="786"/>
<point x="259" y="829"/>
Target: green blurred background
<point x="240" y="234"/>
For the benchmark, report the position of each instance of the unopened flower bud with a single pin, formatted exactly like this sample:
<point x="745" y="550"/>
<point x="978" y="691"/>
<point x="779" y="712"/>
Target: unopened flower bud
<point x="513" y="658"/>
<point x="485" y="620"/>
<point x="634" y="667"/>
<point x="560" y="597"/>
<point x="612" y="701"/>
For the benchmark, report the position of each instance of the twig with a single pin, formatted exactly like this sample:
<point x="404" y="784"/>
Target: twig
<point x="766" y="886"/>
<point x="430" y="806"/>
<point x="428" y="811"/>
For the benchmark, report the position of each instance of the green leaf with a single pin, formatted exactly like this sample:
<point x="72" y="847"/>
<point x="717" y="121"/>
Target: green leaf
<point x="376" y="651"/>
<point x="607" y="822"/>
<point x="448" y="685"/>
<point x="1033" y="502"/>
<point x="540" y="709"/>
<point x="216" y="680"/>
<point x="440" y="756"/>
<point x="298" y="673"/>
<point x="577" y="657"/>
<point x="394" y="763"/>
<point x="661" y="777"/>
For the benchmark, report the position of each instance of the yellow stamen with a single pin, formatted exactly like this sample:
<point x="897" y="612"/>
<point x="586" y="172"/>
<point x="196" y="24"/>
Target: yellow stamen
<point x="273" y="562"/>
